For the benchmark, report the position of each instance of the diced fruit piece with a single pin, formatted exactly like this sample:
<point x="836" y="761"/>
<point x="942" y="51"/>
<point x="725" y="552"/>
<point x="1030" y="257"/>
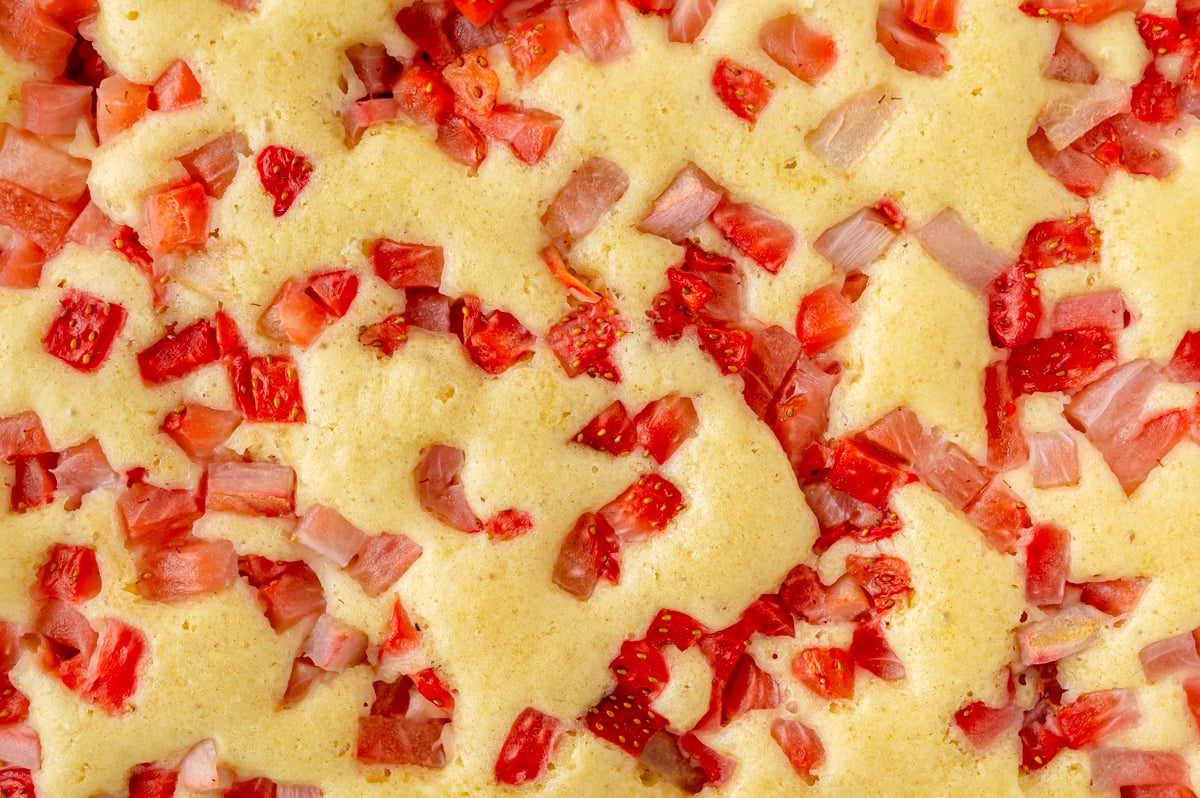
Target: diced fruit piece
<point x="34" y="217"/>
<point x="214" y="164"/>
<point x="594" y="187"/>
<point x="54" y="108"/>
<point x="824" y="318"/>
<point x="799" y="46"/>
<point x="528" y="747"/>
<point x="22" y="435"/>
<point x="401" y="636"/>
<point x="1068" y="631"/>
<point x="176" y="88"/>
<point x="479" y="12"/>
<point x="68" y="642"/>
<point x="537" y="41"/>
<point x="499" y="342"/>
<point x="81" y="469"/>
<point x="407" y="265"/>
<point x="1053" y="459"/>
<point x="612" y="431"/>
<point x="588" y="554"/>
<point x="82" y="334"/>
<point x="200" y="430"/>
<point x="1096" y="716"/>
<point x="381" y="561"/>
<point x="913" y="48"/>
<point x="749" y="687"/>
<point x="644" y="509"/>
<point x="250" y="488"/>
<point x="1000" y="515"/>
<point x="507" y="524"/>
<point x="599" y="29"/>
<point x="1114" y="596"/>
<point x="39" y="166"/>
<point x="1047" y="562"/>
<point x="583" y="340"/>
<point x="33" y="482"/>
<point x="119" y="104"/>
<point x="386" y="335"/>
<point x="664" y="424"/>
<point x="1007" y="447"/>
<point x="758" y="235"/>
<point x="179" y="353"/>
<point x="828" y="672"/>
<point x="473" y="81"/>
<point x="177" y="218"/>
<point x="1064" y="361"/>
<point x="401" y="741"/>
<point x="864" y="475"/>
<point x="326" y="532"/>
<point x="961" y="251"/>
<point x="152" y="513"/>
<point x="266" y="388"/>
<point x="1014" y="306"/>
<point x="1082" y="13"/>
<point x="118" y="657"/>
<point x="800" y="745"/>
<point x="935" y="15"/>
<point x="625" y="720"/>
<point x="640" y="668"/>
<point x="440" y="488"/>
<point x="884" y="578"/>
<point x="743" y="90"/>
<point x="529" y="132"/>
<point x="730" y="348"/>
<point x="690" y="198"/>
<point x="70" y="573"/>
<point x="283" y="174"/>
<point x="1165" y="658"/>
<point x="430" y="685"/>
<point x="1123" y="767"/>
<point x="871" y="651"/>
<point x="1069" y="64"/>
<point x="857" y="241"/>
<point x="198" y="769"/>
<point x="421" y="95"/>
<point x="187" y="568"/>
<point x="333" y="645"/>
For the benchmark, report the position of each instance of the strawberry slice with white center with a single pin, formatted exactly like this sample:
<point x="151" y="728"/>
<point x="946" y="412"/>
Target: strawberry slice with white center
<point x="625" y="720"/>
<point x="644" y="509"/>
<point x="528" y="748"/>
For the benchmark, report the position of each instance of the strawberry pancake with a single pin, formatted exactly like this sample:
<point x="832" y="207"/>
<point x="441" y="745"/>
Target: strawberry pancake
<point x="599" y="397"/>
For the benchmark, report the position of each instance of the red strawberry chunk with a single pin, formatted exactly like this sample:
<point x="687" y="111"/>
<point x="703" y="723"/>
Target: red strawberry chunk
<point x="1082" y="13"/>
<point x="473" y="81"/>
<point x="283" y="174"/>
<point x="1096" y="716"/>
<point x="214" y="164"/>
<point x="1115" y="596"/>
<point x="17" y="782"/>
<point x="1155" y="98"/>
<point x="1165" y="658"/>
<point x="421" y="95"/>
<point x="179" y="353"/>
<point x="333" y="645"/>
<point x="186" y="568"/>
<point x="82" y="469"/>
<point x="529" y="132"/>
<point x="401" y="741"/>
<point x="176" y="88"/>
<point x="83" y="332"/>
<point x="828" y="672"/>
<point x="799" y="744"/>
<point x="1062" y="241"/>
<point x="14" y="705"/>
<point x="479" y="12"/>
<point x="799" y="46"/>
<point x="152" y="513"/>
<point x="70" y="573"/>
<point x="150" y="781"/>
<point x="22" y="435"/>
<point x="691" y="198"/>
<point x="870" y="650"/>
<point x="625" y="720"/>
<point x="644" y="509"/>
<point x="386" y="336"/>
<point x="640" y="669"/>
<point x="730" y="348"/>
<point x="688" y="18"/>
<point x="884" y="578"/>
<point x="613" y="431"/>
<point x="29" y="161"/>
<point x="1007" y="447"/>
<point x="1124" y="767"/>
<point x="588" y="554"/>
<point x="120" y="103"/>
<point x="1014" y="306"/>
<point x="560" y="271"/>
<point x="824" y="318"/>
<point x="772" y="355"/>
<point x="266" y="388"/>
<point x="912" y="47"/>
<point x="499" y="342"/>
<point x="749" y="687"/>
<point x="663" y="425"/>
<point x="1000" y="515"/>
<point x="743" y="90"/>
<point x="593" y="188"/>
<point x="583" y="339"/>
<point x="528" y="748"/>
<point x="984" y="725"/>
<point x="333" y="291"/>
<point x="255" y="488"/>
<point x="864" y="475"/>
<point x="1163" y="34"/>
<point x="200" y="430"/>
<point x="758" y="235"/>
<point x="537" y="41"/>
<point x="68" y="642"/>
<point x="508" y="524"/>
<point x="935" y="15"/>
<point x="21" y="263"/>
<point x="1047" y="563"/>
<point x="599" y="29"/>
<point x="401" y="637"/>
<point x="1064" y="361"/>
<point x="328" y="533"/>
<point x="431" y="687"/>
<point x="673" y="628"/>
<point x="33" y="482"/>
<point x="1157" y="791"/>
<point x="115" y="667"/>
<point x="440" y="488"/>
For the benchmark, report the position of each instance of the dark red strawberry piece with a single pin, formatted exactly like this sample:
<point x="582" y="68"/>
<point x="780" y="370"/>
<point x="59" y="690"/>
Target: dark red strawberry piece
<point x="800" y="745"/>
<point x="663" y="425"/>
<point x="508" y="524"/>
<point x="1155" y="99"/>
<point x="1007" y="447"/>
<point x="644" y="509"/>
<point x="1014" y="306"/>
<point x="625" y="720"/>
<point x="82" y="334"/>
<point x="742" y="90"/>
<point x="283" y="174"/>
<point x="612" y="431"/>
<point x="749" y="687"/>
<point x="1064" y="361"/>
<point x="499" y="342"/>
<point x="266" y="388"/>
<point x="641" y="669"/>
<point x="674" y="628"/>
<point x="871" y="651"/>
<point x="583" y="340"/>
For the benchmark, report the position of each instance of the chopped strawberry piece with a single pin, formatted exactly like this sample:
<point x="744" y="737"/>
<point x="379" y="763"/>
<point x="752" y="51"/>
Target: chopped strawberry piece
<point x="381" y="561"/>
<point x="54" y="108"/>
<point x="200" y="430"/>
<point x="386" y="335"/>
<point x="401" y="636"/>
<point x="1064" y="361"/>
<point x="374" y="67"/>
<point x="1157" y="791"/>
<point x="283" y="174"/>
<point x="401" y="741"/>
<point x="749" y="687"/>
<point x="1082" y="13"/>
<point x="83" y="332"/>
<point x="21" y="263"/>
<point x="1007" y="447"/>
<point x="179" y="353"/>
<point x="593" y="188"/>
<point x="1000" y="515"/>
<point x="599" y="29"/>
<point x="33" y="482"/>
<point x="186" y="568"/>
<point x="772" y="356"/>
<point x="625" y="720"/>
<point x="800" y="745"/>
<point x="1185" y="362"/>
<point x="150" y="781"/>
<point x="758" y="235"/>
<point x="433" y="689"/>
<point x="255" y="488"/>
<point x="664" y="424"/>
<point x="730" y="348"/>
<point x="407" y="265"/>
<point x="1067" y="632"/>
<point x="527" y="749"/>
<point x="333" y="291"/>
<point x="177" y="218"/>
<point x="1047" y="562"/>
<point x="743" y="90"/>
<point x="800" y="411"/>
<point x="583" y="340"/>
<point x="884" y="578"/>
<point x="17" y="782"/>
<point x="333" y="645"/>
<point x="934" y="15"/>
<point x="440" y="488"/>
<point x="864" y="475"/>
<point x="870" y="650"/>
<point x="529" y="132"/>
<point x="120" y="103"/>
<point x="983" y="725"/>
<point x="828" y="672"/>
<point x="1078" y="172"/>
<point x="41" y="167"/>
<point x="1014" y="306"/>
<point x="688" y="18"/>
<point x="258" y="787"/>
<point x="115" y="667"/>
<point x="499" y="342"/>
<point x="824" y="318"/>
<point x="1096" y="716"/>
<point x="537" y="41"/>
<point x="508" y="524"/>
<point x="644" y="509"/>
<point x="850" y="130"/>
<point x="473" y="81"/>
<point x="1165" y="658"/>
<point x="1155" y="98"/>
<point x="152" y="513"/>
<point x="266" y="388"/>
<point x="329" y="534"/>
<point x="213" y="165"/>
<point x="14" y="705"/>
<point x="81" y="469"/>
<point x="176" y="88"/>
<point x="560" y="271"/>
<point x="1125" y="767"/>
<point x="22" y="435"/>
<point x="1062" y="241"/>
<point x="32" y="216"/>
<point x="691" y="198"/>
<point x="799" y="46"/>
<point x="427" y="309"/>
<point x="1069" y="64"/>
<point x="588" y="554"/>
<point x="70" y="573"/>
<point x="912" y="47"/>
<point x="640" y="668"/>
<point x="1115" y="596"/>
<point x="613" y="431"/>
<point x="479" y="12"/>
<point x="20" y="746"/>
<point x="68" y="642"/>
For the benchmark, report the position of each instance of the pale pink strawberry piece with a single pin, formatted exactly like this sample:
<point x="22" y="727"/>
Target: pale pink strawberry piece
<point x="912" y="47"/>
<point x="21" y="263"/>
<point x="1114" y="596"/>
<point x="961" y="251"/>
<point x="857" y="241"/>
<point x="587" y="555"/>
<point x="198" y="770"/>
<point x="186" y="568"/>
<point x="1000" y="515"/>
<point x="1096" y="716"/>
<point x="943" y="465"/>
<point x="28" y="33"/>
<point x="22" y="435"/>
<point x="593" y="188"/>
<point x="93" y="228"/>
<point x="1078" y="172"/>
<point x="599" y="29"/>
<point x="760" y="236"/>
<point x="800" y="744"/>
<point x="374" y="68"/>
<point x="1174" y="655"/>
<point x="800" y="46"/>
<point x="691" y="197"/>
<point x="53" y="107"/>
<point x="401" y="741"/>
<point x="176" y="88"/>
<point x="848" y="132"/>
<point x="20" y="747"/>
<point x="1053" y="459"/>
<point x="528" y="748"/>
<point x="32" y="216"/>
<point x="214" y="164"/>
<point x="1111" y="407"/>
<point x="688" y="18"/>
<point x="1066" y="632"/>
<point x="529" y="132"/>
<point x="29" y="161"/>
<point x="1047" y="563"/>
<point x="81" y="469"/>
<point x="255" y="488"/>
<point x="440" y="488"/>
<point x="985" y="725"/>
<point x="381" y="560"/>
<point x="663" y="425"/>
<point x="328" y="533"/>
<point x="1104" y="309"/>
<point x="120" y="103"/>
<point x="154" y="514"/>
<point x="1068" y="63"/>
<point x="363" y="114"/>
<point x="799" y="414"/>
<point x="1113" y="768"/>
<point x="333" y="645"/>
<point x="1065" y="119"/>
